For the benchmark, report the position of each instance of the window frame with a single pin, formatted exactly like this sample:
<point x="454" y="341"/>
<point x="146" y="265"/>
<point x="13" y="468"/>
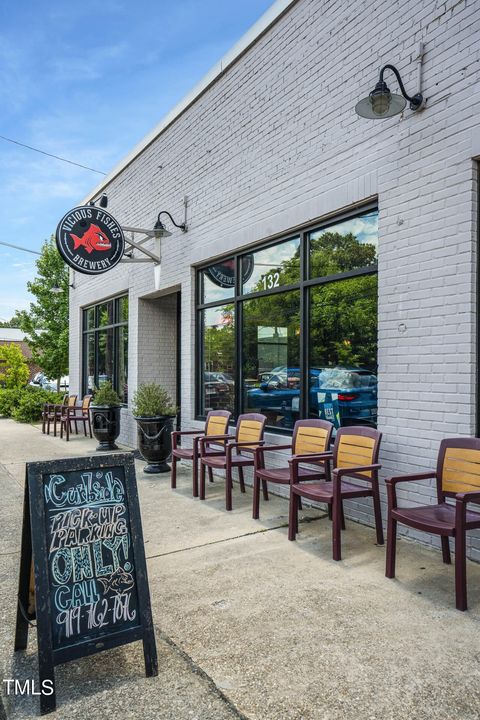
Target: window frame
<point x="95" y="332"/>
<point x="237" y="299"/>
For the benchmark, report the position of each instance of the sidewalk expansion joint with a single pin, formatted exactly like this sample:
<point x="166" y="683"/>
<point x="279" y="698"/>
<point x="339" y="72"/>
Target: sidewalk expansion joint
<point x="197" y="670"/>
<point x="236" y="537"/>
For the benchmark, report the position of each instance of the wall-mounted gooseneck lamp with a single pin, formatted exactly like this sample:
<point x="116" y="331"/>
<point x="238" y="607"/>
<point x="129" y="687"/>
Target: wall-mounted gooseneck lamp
<point x="159" y="229"/>
<point x="381" y="103"/>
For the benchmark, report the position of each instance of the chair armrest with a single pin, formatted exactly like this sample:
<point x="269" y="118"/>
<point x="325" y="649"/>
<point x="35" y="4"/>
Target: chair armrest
<point x="340" y="472"/>
<point x="203" y="441"/>
<point x="259" y="456"/>
<point x="415" y="477"/>
<point x="178" y="433"/>
<point x="313" y="457"/>
<point x="247" y="444"/>
<point x="466" y="497"/>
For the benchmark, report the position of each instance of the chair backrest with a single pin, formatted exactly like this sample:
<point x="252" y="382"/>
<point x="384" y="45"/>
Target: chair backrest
<point x="87" y="399"/>
<point x="355" y="446"/>
<point x="217" y="422"/>
<point x="72" y="400"/>
<point x="458" y="468"/>
<point x="311" y="436"/>
<point x="250" y="428"/>
<point x="64" y="399"/>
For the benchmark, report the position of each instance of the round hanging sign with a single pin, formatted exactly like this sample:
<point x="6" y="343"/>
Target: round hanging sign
<point x="90" y="240"/>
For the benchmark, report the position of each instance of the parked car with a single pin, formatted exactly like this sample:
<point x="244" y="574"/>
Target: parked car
<point x="40" y="380"/>
<point x="342" y="395"/>
<point x="218" y="391"/>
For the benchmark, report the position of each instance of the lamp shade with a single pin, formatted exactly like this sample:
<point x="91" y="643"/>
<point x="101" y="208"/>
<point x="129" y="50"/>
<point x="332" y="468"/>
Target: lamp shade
<point x="381" y="103"/>
<point x="160" y="231"/>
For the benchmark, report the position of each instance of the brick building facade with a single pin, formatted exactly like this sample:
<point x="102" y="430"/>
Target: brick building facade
<point x="269" y="144"/>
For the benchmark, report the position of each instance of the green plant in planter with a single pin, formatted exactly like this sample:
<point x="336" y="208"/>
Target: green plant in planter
<point x="105" y="396"/>
<point x="152" y="400"/>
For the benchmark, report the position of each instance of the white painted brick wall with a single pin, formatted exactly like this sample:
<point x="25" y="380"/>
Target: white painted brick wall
<point x="273" y="144"/>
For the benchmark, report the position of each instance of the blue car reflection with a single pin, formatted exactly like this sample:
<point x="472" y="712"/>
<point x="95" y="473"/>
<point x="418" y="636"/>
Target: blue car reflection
<point x="342" y="395"/>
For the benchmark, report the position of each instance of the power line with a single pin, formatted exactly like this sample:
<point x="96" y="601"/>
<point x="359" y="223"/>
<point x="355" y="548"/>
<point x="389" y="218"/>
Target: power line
<point x="17" y="247"/>
<point x="57" y="157"/>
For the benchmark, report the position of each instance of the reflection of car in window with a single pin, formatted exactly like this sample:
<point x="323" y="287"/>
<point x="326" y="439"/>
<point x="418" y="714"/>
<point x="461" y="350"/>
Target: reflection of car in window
<point x="345" y="396"/>
<point x="218" y="389"/>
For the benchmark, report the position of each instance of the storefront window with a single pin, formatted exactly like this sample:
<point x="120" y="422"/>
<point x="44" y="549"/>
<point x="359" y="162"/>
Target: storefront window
<point x="218" y="358"/>
<point x="275" y="266"/>
<point x="305" y="344"/>
<point x="105" y="346"/>
<point x="271" y="357"/>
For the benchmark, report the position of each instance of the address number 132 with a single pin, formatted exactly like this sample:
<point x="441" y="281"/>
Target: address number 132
<point x="272" y="280"/>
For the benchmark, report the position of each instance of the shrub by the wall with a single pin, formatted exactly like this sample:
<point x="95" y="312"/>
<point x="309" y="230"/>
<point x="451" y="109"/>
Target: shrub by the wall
<point x="26" y="405"/>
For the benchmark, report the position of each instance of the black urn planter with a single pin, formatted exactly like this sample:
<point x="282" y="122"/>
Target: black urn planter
<point x="155" y="442"/>
<point x="105" y="425"/>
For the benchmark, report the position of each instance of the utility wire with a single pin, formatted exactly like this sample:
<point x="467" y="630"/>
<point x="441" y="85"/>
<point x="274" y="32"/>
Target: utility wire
<point x="57" y="157"/>
<point x="17" y="247"/>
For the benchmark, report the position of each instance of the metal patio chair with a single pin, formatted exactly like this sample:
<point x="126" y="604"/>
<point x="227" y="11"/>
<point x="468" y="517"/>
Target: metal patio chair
<point x="458" y="477"/>
<point x="355" y="455"/>
<point x="309" y="437"/>
<point x="215" y="424"/>
<point x="248" y="436"/>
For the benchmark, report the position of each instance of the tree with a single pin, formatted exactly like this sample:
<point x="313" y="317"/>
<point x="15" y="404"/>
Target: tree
<point x="14" y="322"/>
<point x="14" y="370"/>
<point x="45" y="324"/>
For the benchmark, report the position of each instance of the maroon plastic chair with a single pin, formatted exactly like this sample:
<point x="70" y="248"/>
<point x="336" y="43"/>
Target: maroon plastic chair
<point x="248" y="435"/>
<point x="355" y="455"/>
<point x="75" y="414"/>
<point x="215" y="424"/>
<point x="51" y="413"/>
<point x="309" y="437"/>
<point x="458" y="477"/>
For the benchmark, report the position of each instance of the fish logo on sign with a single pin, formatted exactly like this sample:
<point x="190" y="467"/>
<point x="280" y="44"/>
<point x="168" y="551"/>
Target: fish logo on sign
<point x="93" y="239"/>
<point x="90" y="240"/>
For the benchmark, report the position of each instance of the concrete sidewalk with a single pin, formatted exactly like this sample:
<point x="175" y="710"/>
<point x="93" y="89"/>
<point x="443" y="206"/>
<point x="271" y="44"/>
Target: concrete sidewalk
<point x="250" y="625"/>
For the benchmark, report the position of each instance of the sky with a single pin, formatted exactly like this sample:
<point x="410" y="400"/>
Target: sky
<point x="87" y="80"/>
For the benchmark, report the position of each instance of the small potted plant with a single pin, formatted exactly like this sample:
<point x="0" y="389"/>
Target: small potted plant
<point x="154" y="411"/>
<point x="105" y="415"/>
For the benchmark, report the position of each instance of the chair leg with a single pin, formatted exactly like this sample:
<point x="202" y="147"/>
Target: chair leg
<point x="228" y="488"/>
<point x="337" y="529"/>
<point x="210" y="474"/>
<point x="241" y="478"/>
<point x="460" y="570"/>
<point x="293" y="516"/>
<point x="256" y="496"/>
<point x="173" y="477"/>
<point x="265" y="490"/>
<point x="329" y="511"/>
<point x="447" y="558"/>
<point x="61" y="430"/>
<point x="90" y="428"/>
<point x="202" y="480"/>
<point x="85" y="427"/>
<point x="195" y="476"/>
<point x="300" y="505"/>
<point x="378" y="515"/>
<point x="342" y="515"/>
<point x="391" y="546"/>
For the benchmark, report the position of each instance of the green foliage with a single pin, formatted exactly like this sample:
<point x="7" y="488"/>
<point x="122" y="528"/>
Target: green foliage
<point x="9" y="400"/>
<point x="106" y="395"/>
<point x="14" y="322"/>
<point x="30" y="406"/>
<point x="45" y="324"/>
<point x="26" y="405"/>
<point x="14" y="370"/>
<point x="151" y="400"/>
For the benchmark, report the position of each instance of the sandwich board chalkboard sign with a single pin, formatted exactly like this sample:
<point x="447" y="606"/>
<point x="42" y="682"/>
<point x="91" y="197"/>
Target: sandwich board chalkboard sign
<point x="82" y="532"/>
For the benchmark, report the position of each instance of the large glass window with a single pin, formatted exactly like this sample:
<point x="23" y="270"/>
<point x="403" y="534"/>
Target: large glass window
<point x="304" y="343"/>
<point x="218" y="366"/>
<point x="105" y="346"/>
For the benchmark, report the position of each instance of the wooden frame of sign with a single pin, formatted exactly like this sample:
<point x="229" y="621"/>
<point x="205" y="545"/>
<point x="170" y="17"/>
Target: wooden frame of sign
<point x="83" y="533"/>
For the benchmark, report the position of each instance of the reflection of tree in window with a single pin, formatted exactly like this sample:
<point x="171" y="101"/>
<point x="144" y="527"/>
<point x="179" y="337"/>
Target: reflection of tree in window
<point x="333" y="253"/>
